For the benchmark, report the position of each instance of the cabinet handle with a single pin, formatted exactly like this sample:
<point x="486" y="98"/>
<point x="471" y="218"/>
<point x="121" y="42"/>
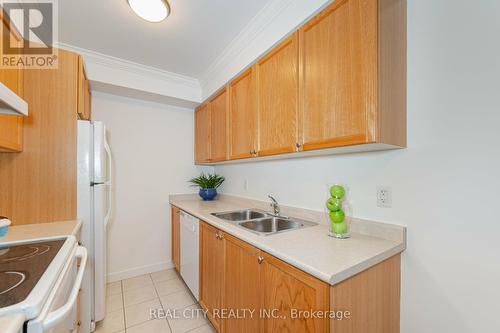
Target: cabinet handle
<point x="260" y="259"/>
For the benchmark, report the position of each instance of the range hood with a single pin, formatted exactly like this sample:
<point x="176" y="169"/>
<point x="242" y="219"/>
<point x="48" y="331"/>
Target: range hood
<point x="10" y="103"/>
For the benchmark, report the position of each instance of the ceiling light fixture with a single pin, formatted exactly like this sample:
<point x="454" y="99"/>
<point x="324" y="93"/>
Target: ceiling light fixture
<point x="150" y="10"/>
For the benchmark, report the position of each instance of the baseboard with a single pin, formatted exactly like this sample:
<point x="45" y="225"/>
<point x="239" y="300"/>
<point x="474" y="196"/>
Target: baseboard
<point x="136" y="271"/>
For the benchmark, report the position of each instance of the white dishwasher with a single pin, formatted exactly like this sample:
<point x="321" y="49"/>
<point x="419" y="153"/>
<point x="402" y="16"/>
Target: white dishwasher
<point x="190" y="252"/>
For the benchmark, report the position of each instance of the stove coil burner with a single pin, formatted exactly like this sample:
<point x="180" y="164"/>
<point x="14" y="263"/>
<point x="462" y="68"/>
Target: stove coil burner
<point x="36" y="251"/>
<point x="20" y="276"/>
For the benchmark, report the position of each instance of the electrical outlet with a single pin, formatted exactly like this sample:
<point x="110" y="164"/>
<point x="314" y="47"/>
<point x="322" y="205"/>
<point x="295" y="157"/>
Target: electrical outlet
<point x="384" y="196"/>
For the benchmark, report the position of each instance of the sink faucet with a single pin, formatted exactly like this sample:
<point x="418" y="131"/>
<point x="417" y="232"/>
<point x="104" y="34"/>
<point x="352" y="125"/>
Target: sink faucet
<point x="275" y="206"/>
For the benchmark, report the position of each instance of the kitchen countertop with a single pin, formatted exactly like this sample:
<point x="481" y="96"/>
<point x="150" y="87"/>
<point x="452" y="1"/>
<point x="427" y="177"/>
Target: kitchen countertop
<point x="41" y="230"/>
<point x="14" y="323"/>
<point x="310" y="249"/>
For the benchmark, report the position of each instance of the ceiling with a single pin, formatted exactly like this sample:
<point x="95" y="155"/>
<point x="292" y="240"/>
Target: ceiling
<point x="186" y="43"/>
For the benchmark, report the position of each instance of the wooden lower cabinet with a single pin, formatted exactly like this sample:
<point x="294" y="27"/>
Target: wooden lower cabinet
<point x="176" y="237"/>
<point x="242" y="277"/>
<point x="290" y="290"/>
<point x="372" y="297"/>
<point x="211" y="272"/>
<point x="236" y="276"/>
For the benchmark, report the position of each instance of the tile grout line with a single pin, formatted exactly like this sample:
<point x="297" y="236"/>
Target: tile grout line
<point x="123" y="305"/>
<point x="161" y="303"/>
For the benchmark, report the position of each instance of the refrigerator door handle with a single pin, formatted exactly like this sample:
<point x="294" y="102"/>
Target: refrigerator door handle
<point x="109" y="183"/>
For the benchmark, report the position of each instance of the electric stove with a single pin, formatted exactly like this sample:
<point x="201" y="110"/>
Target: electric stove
<point x="22" y="266"/>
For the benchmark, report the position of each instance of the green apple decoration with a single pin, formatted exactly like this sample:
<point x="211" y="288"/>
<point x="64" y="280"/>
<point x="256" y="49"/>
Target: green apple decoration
<point x="340" y="228"/>
<point x="334" y="204"/>
<point x="337" y="191"/>
<point x="337" y="214"/>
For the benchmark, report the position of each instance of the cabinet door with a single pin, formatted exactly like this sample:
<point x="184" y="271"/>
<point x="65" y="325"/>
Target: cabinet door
<point x="11" y="126"/>
<point x="218" y="126"/>
<point x="287" y="288"/>
<point x="338" y="83"/>
<point x="176" y="236"/>
<point x="277" y="94"/>
<point x="211" y="271"/>
<point x="243" y="116"/>
<point x="202" y="134"/>
<point x="241" y="276"/>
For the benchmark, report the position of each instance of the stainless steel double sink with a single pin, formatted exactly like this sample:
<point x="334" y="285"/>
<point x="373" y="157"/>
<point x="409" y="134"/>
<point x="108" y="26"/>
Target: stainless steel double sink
<point x="263" y="223"/>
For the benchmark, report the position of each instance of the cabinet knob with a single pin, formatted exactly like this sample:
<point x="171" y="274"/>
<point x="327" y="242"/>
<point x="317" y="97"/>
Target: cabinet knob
<point x="217" y="235"/>
<point x="253" y="152"/>
<point x="221" y="236"/>
<point x="260" y="259"/>
<point x="298" y="146"/>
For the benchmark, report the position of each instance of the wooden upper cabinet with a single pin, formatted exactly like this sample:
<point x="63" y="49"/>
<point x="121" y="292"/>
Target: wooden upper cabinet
<point x="241" y="275"/>
<point x="202" y="134"/>
<point x="243" y="116"/>
<point x="11" y="126"/>
<point x="211" y="271"/>
<point x="277" y="89"/>
<point x="176" y="237"/>
<point x="287" y="288"/>
<point x="218" y="126"/>
<point x="339" y="75"/>
<point x="84" y="98"/>
<point x="338" y="81"/>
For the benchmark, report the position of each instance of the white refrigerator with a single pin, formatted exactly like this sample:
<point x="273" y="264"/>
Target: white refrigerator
<point x="94" y="202"/>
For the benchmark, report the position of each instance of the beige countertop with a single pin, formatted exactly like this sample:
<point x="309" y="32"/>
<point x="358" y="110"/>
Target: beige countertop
<point x="13" y="323"/>
<point x="310" y="249"/>
<point x="41" y="230"/>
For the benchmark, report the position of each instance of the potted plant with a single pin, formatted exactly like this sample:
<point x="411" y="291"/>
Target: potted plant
<point x="208" y="185"/>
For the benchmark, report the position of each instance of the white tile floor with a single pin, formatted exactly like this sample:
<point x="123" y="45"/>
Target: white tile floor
<point x="129" y="302"/>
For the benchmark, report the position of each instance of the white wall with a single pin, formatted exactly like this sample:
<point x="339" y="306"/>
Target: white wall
<point x="152" y="147"/>
<point x="446" y="185"/>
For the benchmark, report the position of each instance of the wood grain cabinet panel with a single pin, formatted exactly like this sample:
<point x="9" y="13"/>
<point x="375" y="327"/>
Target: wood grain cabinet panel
<point x="11" y="126"/>
<point x="83" y="93"/>
<point x="287" y="288"/>
<point x="44" y="174"/>
<point x="241" y="278"/>
<point x="338" y="83"/>
<point x="243" y="116"/>
<point x="87" y="101"/>
<point x="176" y="237"/>
<point x="211" y="271"/>
<point x="373" y="298"/>
<point x="277" y="89"/>
<point x="218" y="107"/>
<point x="202" y="134"/>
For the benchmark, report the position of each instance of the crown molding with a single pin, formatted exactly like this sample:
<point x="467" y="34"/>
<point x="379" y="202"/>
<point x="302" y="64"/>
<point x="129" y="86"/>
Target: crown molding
<point x="273" y="23"/>
<point x="125" y="73"/>
<point x="264" y="18"/>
